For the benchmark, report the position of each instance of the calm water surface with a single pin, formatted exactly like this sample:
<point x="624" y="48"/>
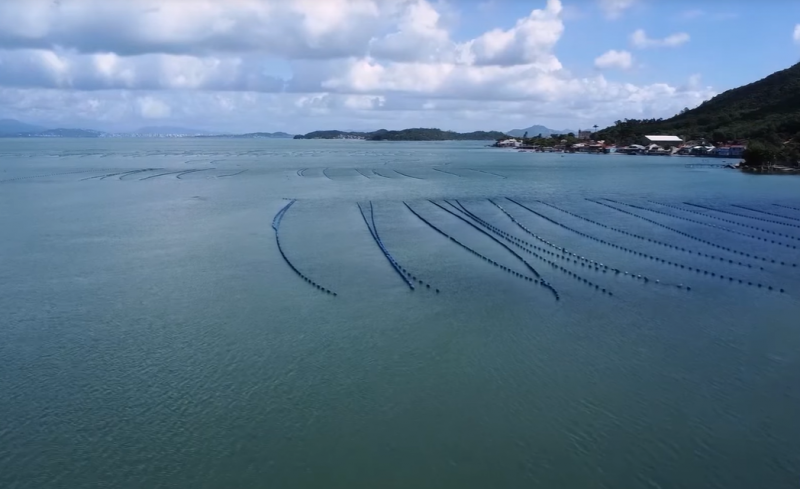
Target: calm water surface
<point x="153" y="336"/>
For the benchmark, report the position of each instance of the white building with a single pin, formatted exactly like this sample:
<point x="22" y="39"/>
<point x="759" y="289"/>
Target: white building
<point x="665" y="141"/>
<point x="509" y="143"/>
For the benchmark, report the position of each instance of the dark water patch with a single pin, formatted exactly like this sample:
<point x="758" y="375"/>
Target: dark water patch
<point x="692" y="237"/>
<point x="742" y="215"/>
<point x="276" y="224"/>
<point x="682" y="218"/>
<point x="729" y="221"/>
<point x="643" y="238"/>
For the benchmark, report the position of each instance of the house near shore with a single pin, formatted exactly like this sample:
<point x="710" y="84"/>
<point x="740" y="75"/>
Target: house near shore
<point x="665" y="141"/>
<point x="509" y="143"/>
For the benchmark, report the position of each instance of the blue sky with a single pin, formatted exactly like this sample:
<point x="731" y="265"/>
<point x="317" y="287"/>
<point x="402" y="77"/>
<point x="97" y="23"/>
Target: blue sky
<point x="300" y="65"/>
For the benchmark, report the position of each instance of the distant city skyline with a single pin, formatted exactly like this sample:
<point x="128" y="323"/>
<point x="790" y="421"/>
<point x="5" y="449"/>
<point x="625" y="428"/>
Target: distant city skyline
<point x="304" y="65"/>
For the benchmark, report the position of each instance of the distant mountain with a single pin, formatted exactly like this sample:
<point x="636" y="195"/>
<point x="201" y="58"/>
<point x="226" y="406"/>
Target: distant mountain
<point x="167" y="130"/>
<point x="414" y="134"/>
<point x="12" y="126"/>
<point x="534" y="131"/>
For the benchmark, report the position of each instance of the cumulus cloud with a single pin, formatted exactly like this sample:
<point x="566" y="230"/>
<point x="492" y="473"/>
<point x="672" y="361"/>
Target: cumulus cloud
<point x="615" y="8"/>
<point x="614" y="59"/>
<point x="640" y="40"/>
<point x="796" y="35"/>
<point x="298" y="66"/>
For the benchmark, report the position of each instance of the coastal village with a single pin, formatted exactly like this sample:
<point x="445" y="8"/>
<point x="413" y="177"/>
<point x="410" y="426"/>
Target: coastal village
<point x="656" y="145"/>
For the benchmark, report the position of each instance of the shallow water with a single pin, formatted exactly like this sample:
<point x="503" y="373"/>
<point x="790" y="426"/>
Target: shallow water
<point x="152" y="335"/>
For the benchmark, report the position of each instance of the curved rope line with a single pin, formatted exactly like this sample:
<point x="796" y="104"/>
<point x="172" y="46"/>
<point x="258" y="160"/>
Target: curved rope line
<point x="386" y="253"/>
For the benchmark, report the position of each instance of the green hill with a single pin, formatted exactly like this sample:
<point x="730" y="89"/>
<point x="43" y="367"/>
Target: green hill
<point x="767" y="111"/>
<point x="415" y="134"/>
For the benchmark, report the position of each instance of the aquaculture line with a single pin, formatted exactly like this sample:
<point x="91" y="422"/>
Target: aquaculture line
<point x="484" y="258"/>
<point x="643" y="238"/>
<point x="765" y="212"/>
<point x="752" y="236"/>
<point x="524" y="246"/>
<point x="643" y="255"/>
<point x="742" y="215"/>
<point x="682" y="233"/>
<point x="276" y="224"/>
<point x="729" y="221"/>
<point x="568" y="255"/>
<point x="392" y="261"/>
<point x="787" y="207"/>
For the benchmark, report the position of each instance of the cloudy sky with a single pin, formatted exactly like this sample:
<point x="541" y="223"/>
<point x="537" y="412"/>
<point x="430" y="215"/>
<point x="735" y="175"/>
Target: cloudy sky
<point x="301" y="65"/>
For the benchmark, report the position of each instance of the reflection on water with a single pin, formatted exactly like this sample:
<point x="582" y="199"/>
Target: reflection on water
<point x="422" y="315"/>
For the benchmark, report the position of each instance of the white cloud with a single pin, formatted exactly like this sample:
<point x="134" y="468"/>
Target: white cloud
<point x="615" y="8"/>
<point x="298" y="66"/>
<point x="153" y="108"/>
<point x="614" y="59"/>
<point x="640" y="40"/>
<point x="796" y="35"/>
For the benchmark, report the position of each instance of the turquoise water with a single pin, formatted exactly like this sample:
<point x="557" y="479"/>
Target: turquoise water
<point x="152" y="334"/>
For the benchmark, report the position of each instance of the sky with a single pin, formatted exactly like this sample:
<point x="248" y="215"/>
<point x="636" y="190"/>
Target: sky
<point x="304" y="65"/>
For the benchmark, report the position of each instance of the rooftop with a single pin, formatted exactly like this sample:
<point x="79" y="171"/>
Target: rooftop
<point x="664" y="139"/>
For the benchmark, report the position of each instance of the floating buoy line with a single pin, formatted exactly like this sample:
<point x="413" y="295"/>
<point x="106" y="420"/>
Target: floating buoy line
<point x="325" y="172"/>
<point x="449" y="173"/>
<point x="787" y="207"/>
<point x="406" y="175"/>
<point x="482" y="257"/>
<point x="374" y="233"/>
<point x="487" y="172"/>
<point x="640" y="237"/>
<point x="733" y="231"/>
<point x="742" y="215"/>
<point x="687" y="235"/>
<point x="50" y="175"/>
<point x="565" y="254"/>
<point x="276" y="224"/>
<point x="179" y="175"/>
<point x="524" y="245"/>
<point x="644" y="255"/>
<point x="765" y="212"/>
<point x="231" y="174"/>
<point x="729" y="221"/>
<point x="384" y="176"/>
<point x="362" y="174"/>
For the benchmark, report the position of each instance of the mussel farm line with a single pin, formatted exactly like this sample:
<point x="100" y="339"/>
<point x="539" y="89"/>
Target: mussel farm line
<point x="178" y="176"/>
<point x="384" y="176"/>
<point x="115" y="174"/>
<point x="325" y="173"/>
<point x="407" y="175"/>
<point x="524" y="246"/>
<point x="482" y="257"/>
<point x="449" y="173"/>
<point x="574" y="257"/>
<point x="530" y="267"/>
<point x="276" y="224"/>
<point x="638" y="236"/>
<point x="765" y="212"/>
<point x="362" y="174"/>
<point x="392" y="261"/>
<point x="50" y="175"/>
<point x="729" y="221"/>
<point x="487" y="172"/>
<point x="160" y="175"/>
<point x="644" y="255"/>
<point x="231" y="174"/>
<point x="787" y="207"/>
<point x="733" y="231"/>
<point x="742" y="215"/>
<point x="687" y="235"/>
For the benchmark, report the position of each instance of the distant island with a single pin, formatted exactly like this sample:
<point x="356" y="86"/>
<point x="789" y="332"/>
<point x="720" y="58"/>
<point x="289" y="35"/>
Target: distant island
<point x="414" y="134"/>
<point x="540" y="130"/>
<point x="11" y="128"/>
